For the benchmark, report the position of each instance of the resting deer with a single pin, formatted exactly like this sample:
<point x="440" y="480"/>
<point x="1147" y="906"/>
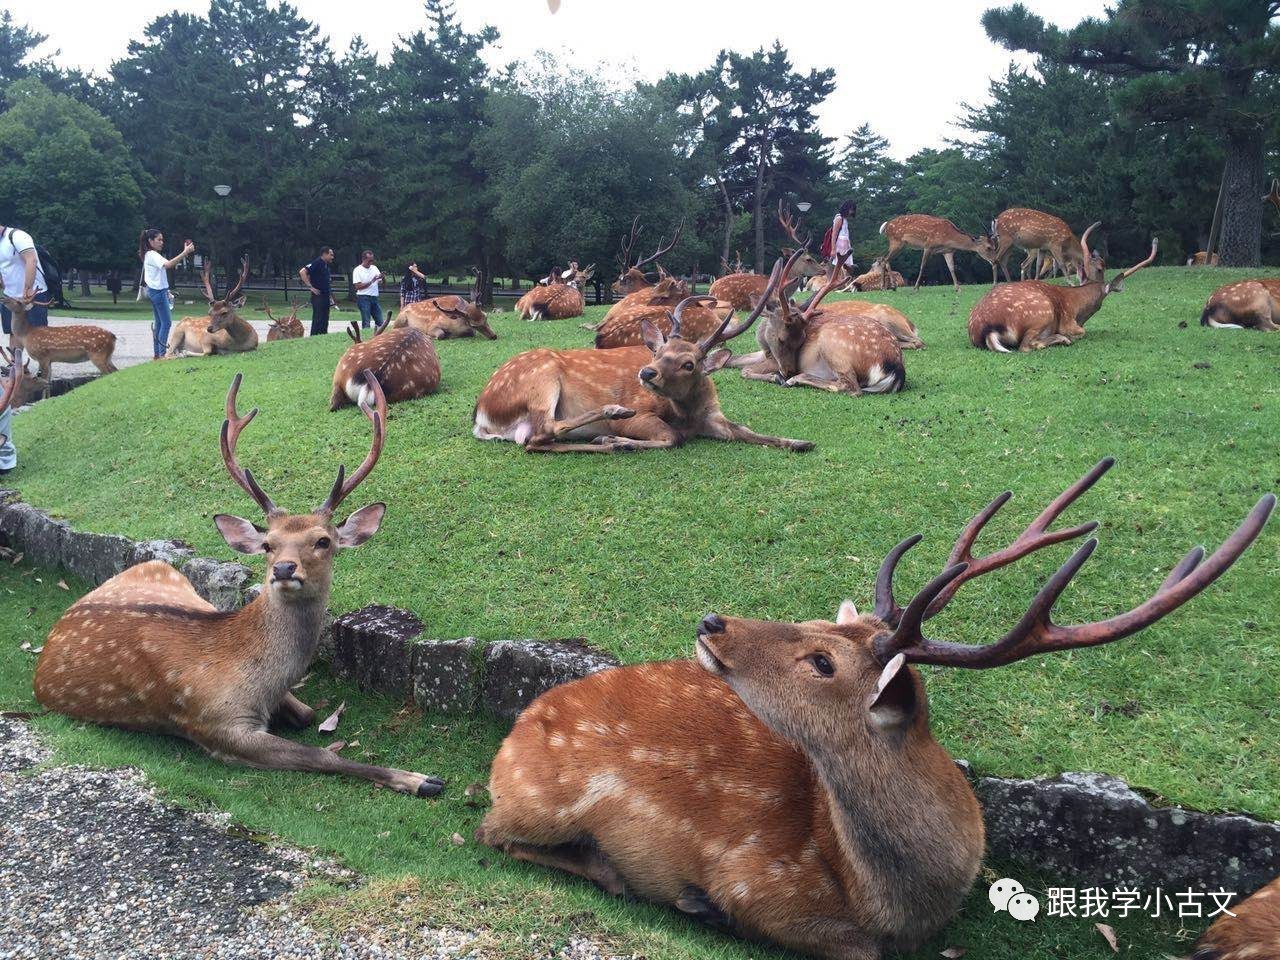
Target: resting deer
<point x="144" y="651"/>
<point x="600" y="401"/>
<point x="223" y="330"/>
<point x="77" y="343"/>
<point x="879" y="277"/>
<point x="1031" y="314"/>
<point x="786" y="785"/>
<point x="742" y="290"/>
<point x="933" y="235"/>
<point x="624" y="326"/>
<point x="1038" y="232"/>
<point x="403" y="361"/>
<point x="1251" y="304"/>
<point x="1250" y="931"/>
<point x="631" y="278"/>
<point x="557" y="298"/>
<point x="446" y="318"/>
<point x="1201" y="258"/>
<point x="290" y="328"/>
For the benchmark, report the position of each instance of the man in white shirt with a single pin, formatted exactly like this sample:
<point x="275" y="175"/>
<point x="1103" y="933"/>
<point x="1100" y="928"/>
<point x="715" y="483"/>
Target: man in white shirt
<point x="23" y="279"/>
<point x="366" y="278"/>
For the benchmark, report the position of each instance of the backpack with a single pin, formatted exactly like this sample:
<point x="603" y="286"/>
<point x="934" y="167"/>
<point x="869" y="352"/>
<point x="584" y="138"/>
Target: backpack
<point x="52" y="274"/>
<point x="828" y="244"/>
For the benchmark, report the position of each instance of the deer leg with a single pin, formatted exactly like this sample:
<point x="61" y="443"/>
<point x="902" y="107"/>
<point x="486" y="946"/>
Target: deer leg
<point x="721" y="428"/>
<point x="808" y="380"/>
<point x="697" y="903"/>
<point x="745" y="361"/>
<point x="557" y="429"/>
<point x="582" y="859"/>
<point x="292" y="713"/>
<point x="266" y="751"/>
<point x="924" y="258"/>
<point x="950" y="257"/>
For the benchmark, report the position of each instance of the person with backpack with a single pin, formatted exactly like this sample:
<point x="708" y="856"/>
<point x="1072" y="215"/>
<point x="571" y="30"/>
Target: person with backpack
<point x="835" y="242"/>
<point x="155" y="276"/>
<point x="23" y="277"/>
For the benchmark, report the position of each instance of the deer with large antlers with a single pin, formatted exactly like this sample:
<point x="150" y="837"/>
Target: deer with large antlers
<point x="75" y="343"/>
<point x="1031" y="314"/>
<point x="403" y="361"/>
<point x="743" y="289"/>
<point x="289" y="328"/>
<point x="223" y="330"/>
<point x="144" y="651"/>
<point x="932" y="235"/>
<point x="786" y="785"/>
<point x="631" y="276"/>
<point x="1037" y="232"/>
<point x="1247" y="304"/>
<point x="446" y="318"/>
<point x="601" y="401"/>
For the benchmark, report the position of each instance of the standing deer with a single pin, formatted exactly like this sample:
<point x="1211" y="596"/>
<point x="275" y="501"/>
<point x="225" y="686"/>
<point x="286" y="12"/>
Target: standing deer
<point x="743" y="289"/>
<point x="786" y="785"/>
<point x="1250" y="930"/>
<point x="223" y="330"/>
<point x="290" y="328"/>
<point x="1251" y="304"/>
<point x="601" y="401"/>
<point x="933" y="235"/>
<point x="446" y="318"/>
<point x="1036" y="232"/>
<point x="145" y="652"/>
<point x="403" y="361"/>
<point x="1031" y="314"/>
<point x="77" y="343"/>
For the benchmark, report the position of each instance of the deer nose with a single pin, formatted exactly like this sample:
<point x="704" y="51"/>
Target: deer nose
<point x="647" y="374"/>
<point x="284" y="571"/>
<point x="711" y="623"/>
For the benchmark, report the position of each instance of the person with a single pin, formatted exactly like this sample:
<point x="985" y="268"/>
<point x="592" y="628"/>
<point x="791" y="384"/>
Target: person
<point x="365" y="278"/>
<point x="8" y="452"/>
<point x="413" y="288"/>
<point x="23" y="279"/>
<point x="840" y="245"/>
<point x="316" y="276"/>
<point x="114" y="286"/>
<point x="155" y="276"/>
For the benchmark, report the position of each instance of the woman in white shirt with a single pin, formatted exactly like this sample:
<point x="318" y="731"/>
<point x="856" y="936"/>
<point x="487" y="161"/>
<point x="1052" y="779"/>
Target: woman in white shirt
<point x="155" y="276"/>
<point x="840" y="245"/>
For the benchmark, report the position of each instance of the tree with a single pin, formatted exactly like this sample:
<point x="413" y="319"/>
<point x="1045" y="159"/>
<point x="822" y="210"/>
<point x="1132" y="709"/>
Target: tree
<point x="1213" y="62"/>
<point x="17" y="43"/>
<point x="865" y="173"/>
<point x="68" y="177"/>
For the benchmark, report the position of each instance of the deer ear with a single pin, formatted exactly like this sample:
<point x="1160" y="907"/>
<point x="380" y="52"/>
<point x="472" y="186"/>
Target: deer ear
<point x="653" y="338"/>
<point x="893" y="705"/>
<point x="715" y="360"/>
<point x="847" y="613"/>
<point x="241" y="535"/>
<point x="361" y="525"/>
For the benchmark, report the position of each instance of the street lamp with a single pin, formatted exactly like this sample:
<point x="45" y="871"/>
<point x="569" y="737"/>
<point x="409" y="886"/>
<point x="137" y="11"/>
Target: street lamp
<point x="804" y="206"/>
<point x="223" y="190"/>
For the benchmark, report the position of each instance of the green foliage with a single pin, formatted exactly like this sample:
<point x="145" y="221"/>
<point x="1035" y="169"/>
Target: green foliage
<point x="66" y="173"/>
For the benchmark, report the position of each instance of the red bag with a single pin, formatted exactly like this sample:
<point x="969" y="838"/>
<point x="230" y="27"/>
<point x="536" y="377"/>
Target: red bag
<point x="827" y="248"/>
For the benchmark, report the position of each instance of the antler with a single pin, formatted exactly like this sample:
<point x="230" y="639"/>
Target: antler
<point x="811" y="305"/>
<point x="1124" y="274"/>
<point x="9" y="389"/>
<point x="724" y="332"/>
<point x="231" y="428"/>
<point x="244" y="275"/>
<point x="1274" y="195"/>
<point x="790" y="226"/>
<point x="266" y="308"/>
<point x="628" y="243"/>
<point x="377" y="415"/>
<point x="1084" y="245"/>
<point x="663" y="249"/>
<point x="1036" y="632"/>
<point x="204" y="276"/>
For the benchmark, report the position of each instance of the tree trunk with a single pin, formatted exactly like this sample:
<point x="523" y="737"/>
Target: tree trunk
<point x="484" y="281"/>
<point x="759" y="210"/>
<point x="84" y="282"/>
<point x="1241" y="209"/>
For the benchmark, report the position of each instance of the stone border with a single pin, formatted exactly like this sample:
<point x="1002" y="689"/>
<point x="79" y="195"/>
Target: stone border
<point x="1083" y="828"/>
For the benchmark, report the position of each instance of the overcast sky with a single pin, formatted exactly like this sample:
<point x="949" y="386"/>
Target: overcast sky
<point x="905" y="67"/>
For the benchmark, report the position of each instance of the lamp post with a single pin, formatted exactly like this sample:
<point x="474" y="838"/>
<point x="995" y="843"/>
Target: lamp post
<point x="803" y="206"/>
<point x="223" y="190"/>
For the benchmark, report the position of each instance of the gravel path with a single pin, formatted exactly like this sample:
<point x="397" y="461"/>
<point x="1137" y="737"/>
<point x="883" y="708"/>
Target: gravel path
<point x="94" y="867"/>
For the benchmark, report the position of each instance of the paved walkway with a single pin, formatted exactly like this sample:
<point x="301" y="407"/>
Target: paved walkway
<point x="133" y="342"/>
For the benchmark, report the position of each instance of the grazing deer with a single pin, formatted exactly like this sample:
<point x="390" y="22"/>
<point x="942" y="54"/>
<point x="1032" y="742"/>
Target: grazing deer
<point x="1031" y="314"/>
<point x="786" y="785"/>
<point x="631" y="276"/>
<point x="600" y="401"/>
<point x="1250" y="930"/>
<point x="1037" y="232"/>
<point x="223" y="330"/>
<point x="446" y="318"/>
<point x="559" y="297"/>
<point x="1202" y="258"/>
<point x="624" y="327"/>
<point x="742" y="290"/>
<point x="77" y="343"/>
<point x="933" y="235"/>
<point x="403" y="361"/>
<point x="145" y="652"/>
<point x="1250" y="304"/>
<point x="290" y="328"/>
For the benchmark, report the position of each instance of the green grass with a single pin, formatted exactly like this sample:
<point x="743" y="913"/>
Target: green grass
<point x="414" y="873"/>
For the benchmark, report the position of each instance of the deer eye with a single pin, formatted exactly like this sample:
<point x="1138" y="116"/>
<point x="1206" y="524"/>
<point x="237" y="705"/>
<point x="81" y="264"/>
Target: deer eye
<point x="822" y="663"/>
<point x="267" y="547"/>
<point x="323" y="543"/>
<point x="688" y="365"/>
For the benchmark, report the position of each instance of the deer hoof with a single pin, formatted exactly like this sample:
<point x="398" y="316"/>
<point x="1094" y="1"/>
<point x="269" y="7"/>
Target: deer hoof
<point x="802" y="446"/>
<point x="615" y="412"/>
<point x="430" y="787"/>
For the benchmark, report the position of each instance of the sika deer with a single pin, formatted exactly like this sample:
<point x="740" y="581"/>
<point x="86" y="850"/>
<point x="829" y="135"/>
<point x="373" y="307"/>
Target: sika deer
<point x="655" y="396"/>
<point x="557" y="298"/>
<point x="290" y="328"/>
<point x="632" y="278"/>
<point x="446" y="318"/>
<point x="742" y="290"/>
<point x="78" y="343"/>
<point x="933" y="235"/>
<point x="23" y="388"/>
<point x="1031" y="314"/>
<point x="786" y="786"/>
<point x="403" y="361"/>
<point x="1251" y="304"/>
<point x="144" y="651"/>
<point x="1250" y="931"/>
<point x="222" y="331"/>
<point x="624" y="326"/>
<point x="1036" y="231"/>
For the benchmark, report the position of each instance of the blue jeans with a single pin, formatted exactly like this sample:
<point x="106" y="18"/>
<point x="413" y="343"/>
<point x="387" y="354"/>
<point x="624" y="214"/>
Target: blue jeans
<point x="36" y="316"/>
<point x="8" y="452"/>
<point x="160" y="310"/>
<point x="369" y="306"/>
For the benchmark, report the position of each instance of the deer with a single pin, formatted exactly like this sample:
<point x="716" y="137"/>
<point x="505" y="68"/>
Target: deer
<point x="403" y="361"/>
<point x="1038" y="233"/>
<point x="1202" y="258"/>
<point x="631" y="276"/>
<point x="25" y="388"/>
<point x="557" y="298"/>
<point x="1250" y="929"/>
<point x="654" y="396"/>
<point x="290" y="328"/>
<point x="879" y="277"/>
<point x="145" y="652"/>
<point x="74" y="343"/>
<point x="784" y="784"/>
<point x="1031" y="314"/>
<point x="223" y="330"/>
<point x="1245" y="304"/>
<point x="932" y="235"/>
<point x="741" y="289"/>
<point x="625" y="327"/>
<point x="446" y="318"/>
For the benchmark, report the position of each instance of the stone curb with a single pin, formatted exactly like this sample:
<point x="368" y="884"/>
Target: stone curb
<point x="1084" y="828"/>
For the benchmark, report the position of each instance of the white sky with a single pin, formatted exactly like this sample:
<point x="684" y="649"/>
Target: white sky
<point x="905" y="67"/>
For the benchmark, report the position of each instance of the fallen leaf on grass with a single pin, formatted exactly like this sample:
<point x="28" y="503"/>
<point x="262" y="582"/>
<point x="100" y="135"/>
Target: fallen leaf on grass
<point x="457" y="840"/>
<point x="330" y="723"/>
<point x="336" y="746"/>
<point x="1110" y="934"/>
<point x="62" y="585"/>
<point x="954" y="953"/>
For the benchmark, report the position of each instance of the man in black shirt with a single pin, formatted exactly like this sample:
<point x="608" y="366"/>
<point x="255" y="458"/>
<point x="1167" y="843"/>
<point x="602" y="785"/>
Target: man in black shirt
<point x="316" y="276"/>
